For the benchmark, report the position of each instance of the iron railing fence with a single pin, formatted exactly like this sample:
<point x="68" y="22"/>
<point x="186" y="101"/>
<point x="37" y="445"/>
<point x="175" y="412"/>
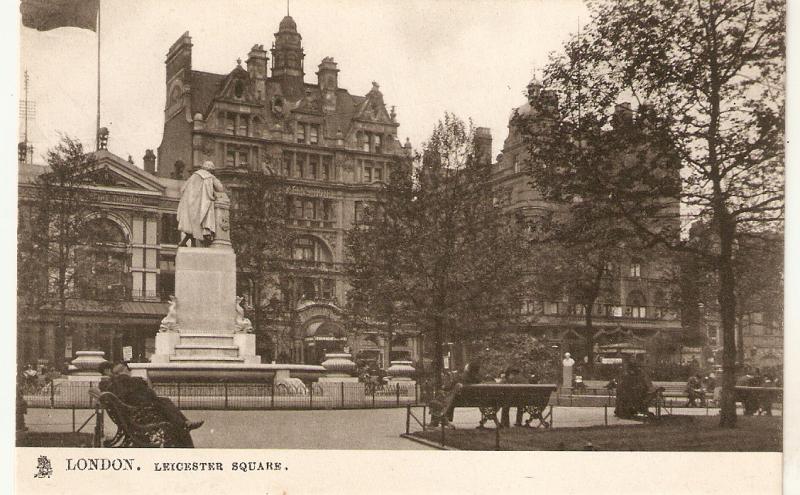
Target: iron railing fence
<point x="322" y="395"/>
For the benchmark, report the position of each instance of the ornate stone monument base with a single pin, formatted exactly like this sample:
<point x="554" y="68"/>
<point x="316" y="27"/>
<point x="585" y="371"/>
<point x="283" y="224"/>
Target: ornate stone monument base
<point x="206" y="329"/>
<point x="205" y="336"/>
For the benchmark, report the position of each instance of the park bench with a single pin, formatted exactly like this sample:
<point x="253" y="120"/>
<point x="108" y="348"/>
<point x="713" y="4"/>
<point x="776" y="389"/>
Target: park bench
<point x="489" y="398"/>
<point x="758" y="399"/>
<point x="138" y="426"/>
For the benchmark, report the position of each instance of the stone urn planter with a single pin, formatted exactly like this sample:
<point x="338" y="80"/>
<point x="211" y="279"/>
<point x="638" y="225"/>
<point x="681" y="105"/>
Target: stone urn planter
<point x="401" y="370"/>
<point x="339" y="364"/>
<point x="86" y="365"/>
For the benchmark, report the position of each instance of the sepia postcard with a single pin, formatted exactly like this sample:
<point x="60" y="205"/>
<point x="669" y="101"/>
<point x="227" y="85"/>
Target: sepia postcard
<point x="294" y="246"/>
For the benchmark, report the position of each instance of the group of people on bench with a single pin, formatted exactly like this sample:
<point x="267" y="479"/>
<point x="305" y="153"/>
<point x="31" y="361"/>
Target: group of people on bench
<point x="443" y="407"/>
<point x="135" y="392"/>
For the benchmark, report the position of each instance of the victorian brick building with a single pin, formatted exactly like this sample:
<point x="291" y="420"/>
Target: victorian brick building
<point x="635" y="314"/>
<point x="333" y="149"/>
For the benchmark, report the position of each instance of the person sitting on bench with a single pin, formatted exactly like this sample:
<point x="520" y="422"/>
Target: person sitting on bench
<point x="635" y="391"/>
<point x="442" y="411"/>
<point x="135" y="392"/>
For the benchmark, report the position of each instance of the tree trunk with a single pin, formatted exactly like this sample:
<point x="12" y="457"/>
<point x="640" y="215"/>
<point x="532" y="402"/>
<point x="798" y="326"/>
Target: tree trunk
<point x="438" y="347"/>
<point x="390" y="332"/>
<point x="589" y="341"/>
<point x="739" y="341"/>
<point x="727" y="304"/>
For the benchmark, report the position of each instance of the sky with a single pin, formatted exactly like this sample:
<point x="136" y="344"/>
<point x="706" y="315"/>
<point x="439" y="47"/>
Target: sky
<point x="473" y="58"/>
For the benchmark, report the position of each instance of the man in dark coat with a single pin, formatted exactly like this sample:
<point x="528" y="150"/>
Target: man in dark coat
<point x="134" y="391"/>
<point x="512" y="376"/>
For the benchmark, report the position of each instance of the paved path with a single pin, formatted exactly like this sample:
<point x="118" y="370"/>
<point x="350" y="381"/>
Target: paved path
<point x="377" y="429"/>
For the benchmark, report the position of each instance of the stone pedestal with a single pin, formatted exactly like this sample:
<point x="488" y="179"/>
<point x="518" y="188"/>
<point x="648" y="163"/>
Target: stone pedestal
<point x="205" y="286"/>
<point x="206" y="330"/>
<point x="566" y="381"/>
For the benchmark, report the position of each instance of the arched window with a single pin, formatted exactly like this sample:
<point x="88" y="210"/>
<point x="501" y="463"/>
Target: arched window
<point x="175" y="95"/>
<point x="101" y="262"/>
<point x="636" y="305"/>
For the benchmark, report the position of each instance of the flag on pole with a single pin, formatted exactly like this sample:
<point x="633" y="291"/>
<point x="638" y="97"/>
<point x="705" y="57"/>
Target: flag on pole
<point x="45" y="15"/>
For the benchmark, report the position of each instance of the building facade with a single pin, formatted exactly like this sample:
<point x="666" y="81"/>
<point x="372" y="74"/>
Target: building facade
<point x="115" y="300"/>
<point x="635" y="313"/>
<point x="332" y="148"/>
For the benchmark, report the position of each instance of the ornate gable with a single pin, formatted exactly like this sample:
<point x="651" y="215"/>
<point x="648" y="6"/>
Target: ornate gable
<point x="373" y="109"/>
<point x="237" y="87"/>
<point x="114" y="172"/>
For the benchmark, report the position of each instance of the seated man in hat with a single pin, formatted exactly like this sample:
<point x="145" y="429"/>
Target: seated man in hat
<point x="513" y="375"/>
<point x="135" y="392"/>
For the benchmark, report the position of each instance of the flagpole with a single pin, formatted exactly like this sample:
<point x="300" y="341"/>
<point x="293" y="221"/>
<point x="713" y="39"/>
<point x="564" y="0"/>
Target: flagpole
<point x="97" y="126"/>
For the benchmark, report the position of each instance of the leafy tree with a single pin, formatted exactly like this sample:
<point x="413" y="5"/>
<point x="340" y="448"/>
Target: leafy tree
<point x="499" y="351"/>
<point x="58" y="213"/>
<point x="261" y="240"/>
<point x="707" y="139"/>
<point x="758" y="267"/>
<point x="435" y="252"/>
<point x="575" y="254"/>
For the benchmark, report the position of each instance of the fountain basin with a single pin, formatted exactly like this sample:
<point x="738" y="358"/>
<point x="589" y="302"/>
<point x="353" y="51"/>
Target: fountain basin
<point x="224" y="372"/>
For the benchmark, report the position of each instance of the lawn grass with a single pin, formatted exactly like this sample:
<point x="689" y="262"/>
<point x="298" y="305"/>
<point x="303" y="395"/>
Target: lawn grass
<point x="671" y="433"/>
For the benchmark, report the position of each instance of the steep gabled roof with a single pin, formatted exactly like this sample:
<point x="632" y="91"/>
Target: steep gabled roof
<point x="205" y="87"/>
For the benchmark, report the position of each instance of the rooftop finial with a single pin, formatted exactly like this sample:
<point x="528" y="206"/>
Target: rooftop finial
<point x="287" y="7"/>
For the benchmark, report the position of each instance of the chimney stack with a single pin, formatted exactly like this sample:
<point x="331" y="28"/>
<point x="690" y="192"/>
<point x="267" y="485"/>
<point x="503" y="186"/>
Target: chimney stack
<point x="149" y="161"/>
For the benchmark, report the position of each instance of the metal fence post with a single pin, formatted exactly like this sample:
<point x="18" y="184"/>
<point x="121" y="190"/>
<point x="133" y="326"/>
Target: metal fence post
<point x="605" y="415"/>
<point x="342" y="383"/>
<point x="73" y="418"/>
<point x="311" y="396"/>
<point x="97" y="441"/>
<point x="52" y="394"/>
<point x="497" y="438"/>
<point x="373" y="397"/>
<point x="416" y="393"/>
<point x="398" y="394"/>
<point x="179" y="394"/>
<point x="226" y="394"/>
<point x="408" y="419"/>
<point x="273" y="395"/>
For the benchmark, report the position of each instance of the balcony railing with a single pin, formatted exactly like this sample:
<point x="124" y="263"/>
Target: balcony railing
<point x="120" y="293"/>
<point x="320" y="266"/>
<point x="612" y="311"/>
<point x="313" y="223"/>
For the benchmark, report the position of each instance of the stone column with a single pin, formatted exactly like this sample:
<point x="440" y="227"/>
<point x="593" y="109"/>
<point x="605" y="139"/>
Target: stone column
<point x="567" y="364"/>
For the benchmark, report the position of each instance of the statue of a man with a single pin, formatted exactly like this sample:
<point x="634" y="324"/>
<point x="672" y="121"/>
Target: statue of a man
<point x="196" y="213"/>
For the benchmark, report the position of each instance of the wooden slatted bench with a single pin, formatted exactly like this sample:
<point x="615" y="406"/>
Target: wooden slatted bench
<point x="760" y="397"/>
<point x="489" y="398"/>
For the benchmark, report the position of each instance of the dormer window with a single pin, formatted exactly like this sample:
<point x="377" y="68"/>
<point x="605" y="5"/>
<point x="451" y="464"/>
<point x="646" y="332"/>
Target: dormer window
<point x="314" y="134"/>
<point x="300" y="134"/>
<point x="238" y="88"/>
<point x="377" y="141"/>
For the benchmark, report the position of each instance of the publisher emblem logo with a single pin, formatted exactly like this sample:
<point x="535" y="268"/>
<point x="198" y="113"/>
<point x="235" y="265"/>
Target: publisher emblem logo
<point x="43" y="468"/>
